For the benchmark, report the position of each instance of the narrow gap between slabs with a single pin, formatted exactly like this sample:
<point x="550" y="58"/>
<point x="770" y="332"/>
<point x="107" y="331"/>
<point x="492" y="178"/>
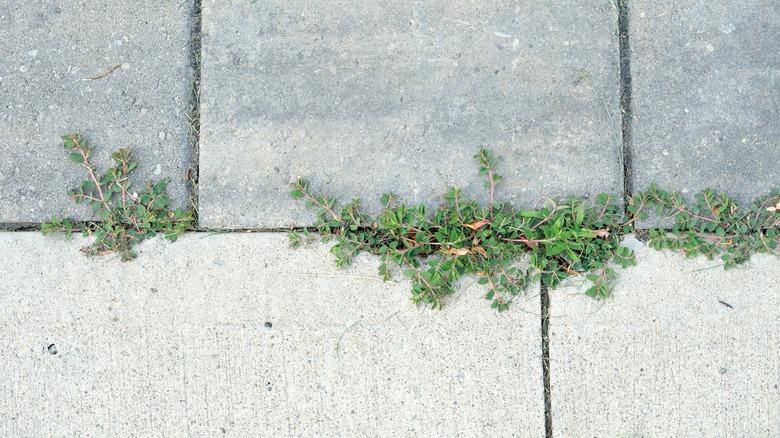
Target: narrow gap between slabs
<point x="626" y="110"/>
<point x="20" y="226"/>
<point x="545" y="306"/>
<point x="193" y="114"/>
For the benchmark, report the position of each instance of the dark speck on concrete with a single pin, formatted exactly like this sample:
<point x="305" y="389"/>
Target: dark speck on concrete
<point x="268" y="324"/>
<point x="52" y="349"/>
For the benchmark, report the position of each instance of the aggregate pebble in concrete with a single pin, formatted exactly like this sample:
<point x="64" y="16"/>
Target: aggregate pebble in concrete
<point x="364" y="99"/>
<point x="706" y="96"/>
<point x="227" y="334"/>
<point x="680" y="349"/>
<point x="48" y="49"/>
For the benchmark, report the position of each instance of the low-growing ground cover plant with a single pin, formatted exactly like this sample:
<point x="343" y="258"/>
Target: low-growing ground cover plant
<point x="509" y="248"/>
<point x="465" y="237"/>
<point x="506" y="248"/>
<point x="713" y="225"/>
<point x="126" y="217"/>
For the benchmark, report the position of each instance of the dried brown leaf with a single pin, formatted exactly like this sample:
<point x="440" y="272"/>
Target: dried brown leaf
<point x="456" y="251"/>
<point x="475" y="225"/>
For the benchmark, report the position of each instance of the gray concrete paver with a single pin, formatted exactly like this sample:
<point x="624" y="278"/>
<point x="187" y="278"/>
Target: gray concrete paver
<point x="48" y="49"/>
<point x="706" y="87"/>
<point x="175" y="343"/>
<point x="664" y="357"/>
<point x="397" y="97"/>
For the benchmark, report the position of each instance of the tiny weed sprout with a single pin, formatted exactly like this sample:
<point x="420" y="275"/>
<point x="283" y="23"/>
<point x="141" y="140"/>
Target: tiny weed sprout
<point x="490" y="241"/>
<point x="126" y="217"/>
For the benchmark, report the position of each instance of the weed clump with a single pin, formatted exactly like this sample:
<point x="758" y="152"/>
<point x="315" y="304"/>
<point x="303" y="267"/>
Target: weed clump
<point x="465" y="238"/>
<point x="713" y="225"/>
<point x="126" y="217"/>
<point x="561" y="239"/>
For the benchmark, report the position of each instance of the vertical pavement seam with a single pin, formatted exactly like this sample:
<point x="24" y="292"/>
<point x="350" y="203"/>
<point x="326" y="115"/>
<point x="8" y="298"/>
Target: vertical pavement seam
<point x="193" y="115"/>
<point x="626" y="112"/>
<point x="544" y="299"/>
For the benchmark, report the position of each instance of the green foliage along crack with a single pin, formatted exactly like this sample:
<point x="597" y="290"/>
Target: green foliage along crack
<point x="463" y="237"/>
<point x="506" y="248"/>
<point x="126" y="217"/>
<point x="509" y="248"/>
<point x="713" y="225"/>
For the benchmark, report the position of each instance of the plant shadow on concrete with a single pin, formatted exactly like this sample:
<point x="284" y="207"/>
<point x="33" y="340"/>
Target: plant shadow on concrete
<point x="509" y="248"/>
<point x="126" y="217"/>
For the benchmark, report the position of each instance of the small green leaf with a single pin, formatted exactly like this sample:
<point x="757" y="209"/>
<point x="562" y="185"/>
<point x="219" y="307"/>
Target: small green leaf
<point x="296" y="193"/>
<point x="556" y="249"/>
<point x="530" y="214"/>
<point x="76" y="157"/>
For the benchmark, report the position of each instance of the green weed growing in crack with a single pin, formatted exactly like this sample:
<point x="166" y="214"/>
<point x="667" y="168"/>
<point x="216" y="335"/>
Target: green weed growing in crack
<point x="713" y="225"/>
<point x="561" y="239"/>
<point x="127" y="217"/>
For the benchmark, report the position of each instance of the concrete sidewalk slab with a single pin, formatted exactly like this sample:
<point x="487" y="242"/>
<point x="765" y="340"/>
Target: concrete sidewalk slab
<point x="706" y="96"/>
<point x="680" y="349"/>
<point x="236" y="334"/>
<point x="48" y="49"/>
<point x="364" y="99"/>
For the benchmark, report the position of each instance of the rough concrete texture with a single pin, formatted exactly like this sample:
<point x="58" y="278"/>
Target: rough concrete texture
<point x="238" y="335"/>
<point x="665" y="357"/>
<point x="706" y="87"/>
<point x="48" y="49"/>
<point x="364" y="99"/>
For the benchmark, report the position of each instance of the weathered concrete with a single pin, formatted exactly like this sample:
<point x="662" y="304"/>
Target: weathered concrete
<point x="48" y="49"/>
<point x="665" y="357"/>
<point x="706" y="87"/>
<point x="398" y="96"/>
<point x="232" y="334"/>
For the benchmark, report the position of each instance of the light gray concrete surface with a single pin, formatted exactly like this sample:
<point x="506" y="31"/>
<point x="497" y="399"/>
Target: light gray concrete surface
<point x="706" y="96"/>
<point x="663" y="357"/>
<point x="175" y="343"/>
<point x="48" y="48"/>
<point x="364" y="99"/>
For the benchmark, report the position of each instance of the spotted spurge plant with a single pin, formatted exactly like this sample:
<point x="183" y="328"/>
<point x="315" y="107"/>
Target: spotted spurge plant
<point x="713" y="225"/>
<point x="126" y="217"/>
<point x="506" y="248"/>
